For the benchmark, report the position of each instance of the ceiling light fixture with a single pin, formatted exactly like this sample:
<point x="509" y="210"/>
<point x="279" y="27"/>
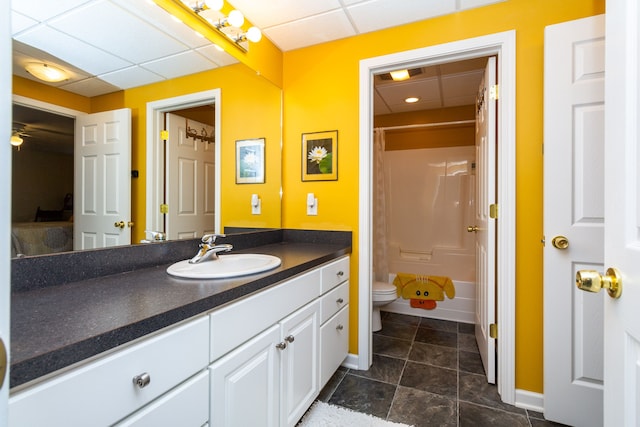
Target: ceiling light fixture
<point x="16" y="140"/>
<point x="210" y="11"/>
<point x="46" y="72"/>
<point x="412" y="100"/>
<point x="399" y="75"/>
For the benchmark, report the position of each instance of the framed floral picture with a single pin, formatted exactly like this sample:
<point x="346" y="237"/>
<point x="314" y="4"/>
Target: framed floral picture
<point x="250" y="161"/>
<point x="320" y="156"/>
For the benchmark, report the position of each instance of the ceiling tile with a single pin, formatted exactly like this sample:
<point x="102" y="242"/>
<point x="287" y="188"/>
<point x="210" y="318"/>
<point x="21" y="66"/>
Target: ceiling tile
<point x="455" y="85"/>
<point x="20" y="22"/>
<point x="428" y="90"/>
<point x="71" y="50"/>
<point x="378" y="14"/>
<point x="309" y="31"/>
<point x="118" y="32"/>
<point x="163" y="21"/>
<point x="178" y="65"/>
<point x="43" y="10"/>
<point x="90" y="87"/>
<point x="274" y="12"/>
<point x="131" y="77"/>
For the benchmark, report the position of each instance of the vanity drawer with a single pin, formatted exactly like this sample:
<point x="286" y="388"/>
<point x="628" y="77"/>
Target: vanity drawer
<point x="335" y="273"/>
<point x="333" y="301"/>
<point x="334" y="344"/>
<point x="238" y="322"/>
<point x="103" y="391"/>
<point x="187" y="406"/>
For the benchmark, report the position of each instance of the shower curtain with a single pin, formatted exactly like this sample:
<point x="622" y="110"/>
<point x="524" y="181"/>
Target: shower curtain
<point x="379" y="234"/>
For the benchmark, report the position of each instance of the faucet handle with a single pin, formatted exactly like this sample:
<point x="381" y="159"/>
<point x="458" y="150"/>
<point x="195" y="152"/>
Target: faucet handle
<point x="211" y="238"/>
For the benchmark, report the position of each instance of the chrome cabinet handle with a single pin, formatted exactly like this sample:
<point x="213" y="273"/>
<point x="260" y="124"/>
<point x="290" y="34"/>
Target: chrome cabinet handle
<point x="142" y="380"/>
<point x="281" y="345"/>
<point x="340" y="273"/>
<point x="290" y="339"/>
<point x="339" y="300"/>
<point x="339" y="327"/>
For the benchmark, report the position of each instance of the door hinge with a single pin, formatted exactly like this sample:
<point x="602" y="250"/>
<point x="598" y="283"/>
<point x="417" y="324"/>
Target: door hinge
<point x="164" y="208"/>
<point x="493" y="210"/>
<point x="164" y="134"/>
<point x="493" y="331"/>
<point x="494" y="92"/>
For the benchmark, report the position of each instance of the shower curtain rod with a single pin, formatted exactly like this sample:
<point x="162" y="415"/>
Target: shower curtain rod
<point x="428" y="125"/>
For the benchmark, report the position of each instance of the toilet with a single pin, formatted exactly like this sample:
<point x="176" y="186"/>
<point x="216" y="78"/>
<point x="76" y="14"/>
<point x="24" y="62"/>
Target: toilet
<point x="382" y="294"/>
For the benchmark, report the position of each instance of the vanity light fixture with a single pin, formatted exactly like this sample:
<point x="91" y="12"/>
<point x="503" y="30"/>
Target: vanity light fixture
<point x="46" y="72"/>
<point x="230" y="25"/>
<point x="412" y="99"/>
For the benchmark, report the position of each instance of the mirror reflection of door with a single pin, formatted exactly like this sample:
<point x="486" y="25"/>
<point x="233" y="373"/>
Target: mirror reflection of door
<point x="190" y="173"/>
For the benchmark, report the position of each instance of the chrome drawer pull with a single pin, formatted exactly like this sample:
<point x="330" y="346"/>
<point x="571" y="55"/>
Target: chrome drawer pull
<point x="339" y="327"/>
<point x="339" y="300"/>
<point x="142" y="380"/>
<point x="290" y="339"/>
<point x="281" y="345"/>
<point x="340" y="273"/>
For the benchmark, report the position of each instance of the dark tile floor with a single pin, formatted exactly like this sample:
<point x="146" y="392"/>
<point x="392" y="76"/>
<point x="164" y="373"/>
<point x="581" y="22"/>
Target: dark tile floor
<point x="426" y="372"/>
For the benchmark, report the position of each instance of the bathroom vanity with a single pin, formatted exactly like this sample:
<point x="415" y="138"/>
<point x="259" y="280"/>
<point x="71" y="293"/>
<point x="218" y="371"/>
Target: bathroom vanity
<point x="142" y="348"/>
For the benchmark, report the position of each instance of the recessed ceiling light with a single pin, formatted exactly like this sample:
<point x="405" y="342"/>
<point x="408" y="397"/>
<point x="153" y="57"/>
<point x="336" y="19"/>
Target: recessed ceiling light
<point x="45" y="72"/>
<point x="399" y="75"/>
<point x="412" y="99"/>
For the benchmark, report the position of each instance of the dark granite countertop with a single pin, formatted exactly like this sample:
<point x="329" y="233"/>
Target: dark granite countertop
<point x="56" y="325"/>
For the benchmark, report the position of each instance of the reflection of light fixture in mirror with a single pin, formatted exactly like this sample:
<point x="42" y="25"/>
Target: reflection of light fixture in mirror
<point x="399" y="75"/>
<point x="16" y="140"/>
<point x="412" y="100"/>
<point x="210" y="12"/>
<point x="45" y="72"/>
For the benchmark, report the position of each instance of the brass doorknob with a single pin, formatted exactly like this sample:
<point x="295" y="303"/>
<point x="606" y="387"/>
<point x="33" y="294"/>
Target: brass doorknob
<point x="130" y="224"/>
<point x="119" y="224"/>
<point x="593" y="281"/>
<point x="472" y="229"/>
<point x="560" y="242"/>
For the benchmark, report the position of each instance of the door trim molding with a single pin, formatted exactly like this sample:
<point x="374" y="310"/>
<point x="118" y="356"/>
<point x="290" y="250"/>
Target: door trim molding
<point x="155" y="109"/>
<point x="504" y="46"/>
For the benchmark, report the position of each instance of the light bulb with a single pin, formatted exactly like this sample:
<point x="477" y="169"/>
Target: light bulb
<point x="16" y="141"/>
<point x="214" y="4"/>
<point x="254" y="34"/>
<point x="236" y="18"/>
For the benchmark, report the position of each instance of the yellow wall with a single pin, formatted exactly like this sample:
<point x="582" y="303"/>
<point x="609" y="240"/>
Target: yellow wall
<point x="52" y="95"/>
<point x="320" y="86"/>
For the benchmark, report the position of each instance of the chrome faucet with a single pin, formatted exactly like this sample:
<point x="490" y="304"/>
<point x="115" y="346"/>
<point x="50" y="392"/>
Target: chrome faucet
<point x="208" y="248"/>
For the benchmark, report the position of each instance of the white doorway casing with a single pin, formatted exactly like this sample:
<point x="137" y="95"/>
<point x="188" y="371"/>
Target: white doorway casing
<point x="155" y="148"/>
<point x="503" y="45"/>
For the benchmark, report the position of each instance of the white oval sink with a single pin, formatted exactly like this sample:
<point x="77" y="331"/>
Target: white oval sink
<point x="225" y="266"/>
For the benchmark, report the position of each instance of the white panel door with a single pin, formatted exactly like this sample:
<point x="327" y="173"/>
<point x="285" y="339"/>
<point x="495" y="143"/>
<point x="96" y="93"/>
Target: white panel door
<point x="485" y="226"/>
<point x="190" y="180"/>
<point x="622" y="214"/>
<point x="573" y="210"/>
<point x="102" y="181"/>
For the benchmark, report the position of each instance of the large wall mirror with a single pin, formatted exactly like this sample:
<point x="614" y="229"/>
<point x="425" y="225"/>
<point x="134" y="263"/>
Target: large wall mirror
<point x="133" y="56"/>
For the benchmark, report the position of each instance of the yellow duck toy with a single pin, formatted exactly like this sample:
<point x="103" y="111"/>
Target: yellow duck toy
<point x="423" y="291"/>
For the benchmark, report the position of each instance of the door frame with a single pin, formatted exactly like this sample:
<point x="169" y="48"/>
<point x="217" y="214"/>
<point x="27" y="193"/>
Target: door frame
<point x="155" y="176"/>
<point x="503" y="45"/>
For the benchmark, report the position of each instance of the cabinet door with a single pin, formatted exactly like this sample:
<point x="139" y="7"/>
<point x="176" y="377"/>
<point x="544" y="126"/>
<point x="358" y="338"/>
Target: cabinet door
<point x="334" y="344"/>
<point x="299" y="362"/>
<point x="245" y="384"/>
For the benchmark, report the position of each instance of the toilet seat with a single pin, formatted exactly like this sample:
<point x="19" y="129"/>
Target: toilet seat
<point x="382" y="288"/>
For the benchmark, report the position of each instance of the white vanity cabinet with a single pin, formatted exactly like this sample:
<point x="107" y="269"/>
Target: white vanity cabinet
<point x="106" y="390"/>
<point x="272" y="375"/>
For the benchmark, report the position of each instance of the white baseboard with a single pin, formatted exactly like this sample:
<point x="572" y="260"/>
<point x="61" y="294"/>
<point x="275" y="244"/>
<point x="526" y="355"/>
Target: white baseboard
<point x="351" y="361"/>
<point x="530" y="400"/>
